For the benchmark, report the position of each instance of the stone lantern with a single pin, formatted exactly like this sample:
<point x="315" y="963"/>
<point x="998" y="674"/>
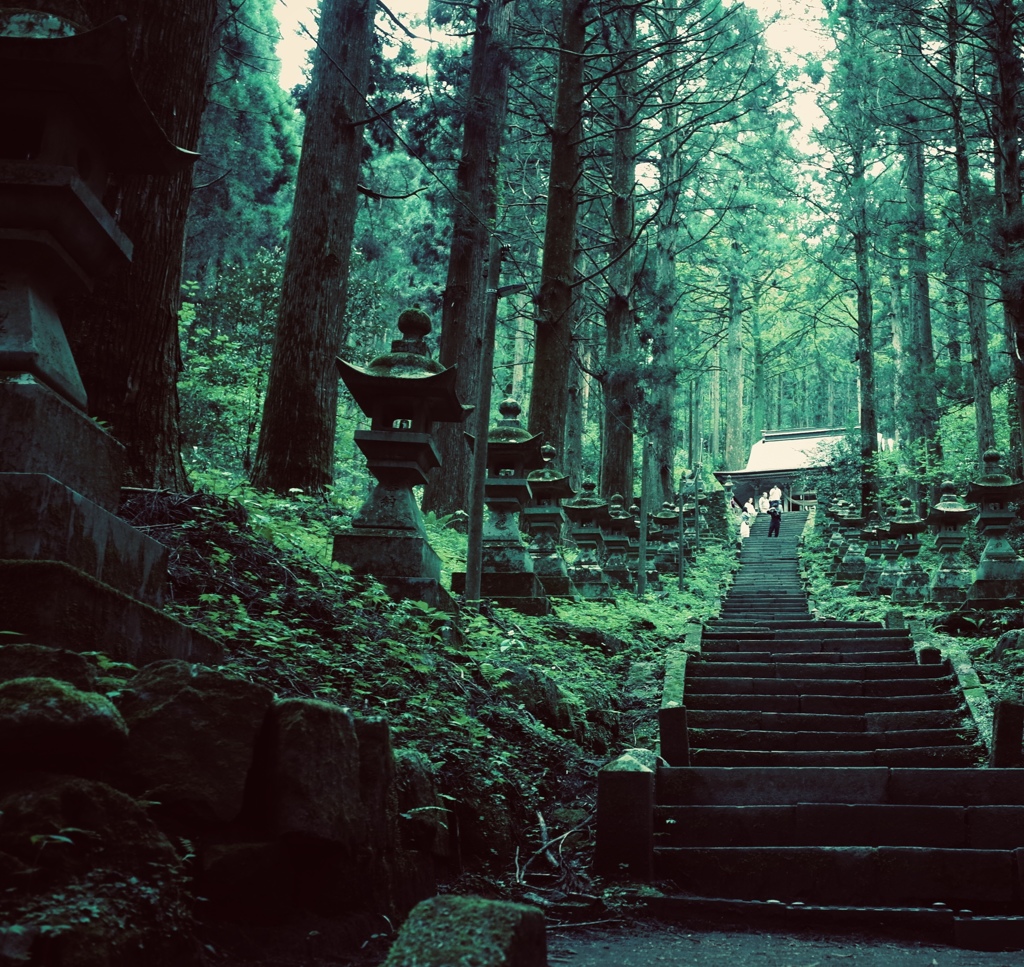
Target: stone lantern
<point x="507" y="576"/>
<point x="71" y="117"/>
<point x="546" y="519"/>
<point x="589" y="514"/>
<point x="949" y="583"/>
<point x="999" y="577"/>
<point x="665" y="537"/>
<point x="911" y="581"/>
<point x="619" y="530"/>
<point x="404" y="393"/>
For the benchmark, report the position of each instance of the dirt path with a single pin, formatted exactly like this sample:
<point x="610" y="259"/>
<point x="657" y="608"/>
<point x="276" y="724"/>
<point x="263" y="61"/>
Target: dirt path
<point x="638" y="945"/>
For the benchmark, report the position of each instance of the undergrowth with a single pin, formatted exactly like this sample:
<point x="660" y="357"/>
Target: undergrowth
<point x="514" y="713"/>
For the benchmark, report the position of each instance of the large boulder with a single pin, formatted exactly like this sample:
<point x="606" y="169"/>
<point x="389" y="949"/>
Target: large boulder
<point x="448" y="930"/>
<point x="50" y="725"/>
<point x="87" y="879"/>
<point x="192" y="732"/>
<point x="26" y="660"/>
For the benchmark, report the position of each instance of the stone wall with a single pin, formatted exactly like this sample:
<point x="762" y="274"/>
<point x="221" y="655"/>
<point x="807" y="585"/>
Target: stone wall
<point x="133" y="801"/>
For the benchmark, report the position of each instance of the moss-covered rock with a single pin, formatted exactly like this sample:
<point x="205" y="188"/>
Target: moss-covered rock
<point x="192" y="737"/>
<point x="87" y="879"/>
<point x="50" y="725"/>
<point x="470" y="932"/>
<point x="26" y="660"/>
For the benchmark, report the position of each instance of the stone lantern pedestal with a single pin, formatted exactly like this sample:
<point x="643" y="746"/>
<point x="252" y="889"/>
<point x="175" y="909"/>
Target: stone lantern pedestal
<point x="546" y="520"/>
<point x="999" y="577"/>
<point x="72" y="573"/>
<point x="589" y="516"/>
<point x="949" y="583"/>
<point x="911" y="584"/>
<point x="619" y="530"/>
<point x="507" y="576"/>
<point x="404" y="392"/>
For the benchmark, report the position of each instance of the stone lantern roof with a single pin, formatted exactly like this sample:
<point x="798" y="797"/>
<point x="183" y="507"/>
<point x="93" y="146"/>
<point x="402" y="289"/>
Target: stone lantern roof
<point x="405" y="384"/>
<point x="43" y="56"/>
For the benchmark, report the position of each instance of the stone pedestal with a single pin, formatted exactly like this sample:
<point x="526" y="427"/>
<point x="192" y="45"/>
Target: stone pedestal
<point x="589" y="515"/>
<point x="950" y="581"/>
<point x="999" y="577"/>
<point x="404" y="392"/>
<point x="72" y="574"/>
<point x="507" y="576"/>
<point x="546" y="520"/>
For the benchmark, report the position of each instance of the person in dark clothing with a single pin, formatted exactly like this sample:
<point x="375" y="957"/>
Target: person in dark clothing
<point x="775" y="518"/>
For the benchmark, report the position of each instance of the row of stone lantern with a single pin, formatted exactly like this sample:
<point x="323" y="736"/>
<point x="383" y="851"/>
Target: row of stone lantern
<point x="404" y="392"/>
<point x="882" y="559"/>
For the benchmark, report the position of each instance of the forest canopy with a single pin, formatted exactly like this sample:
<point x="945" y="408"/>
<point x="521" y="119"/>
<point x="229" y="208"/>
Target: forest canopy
<point x="699" y="255"/>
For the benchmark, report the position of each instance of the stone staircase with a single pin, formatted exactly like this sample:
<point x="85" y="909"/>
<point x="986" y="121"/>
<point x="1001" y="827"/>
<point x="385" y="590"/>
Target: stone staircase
<point x="831" y="773"/>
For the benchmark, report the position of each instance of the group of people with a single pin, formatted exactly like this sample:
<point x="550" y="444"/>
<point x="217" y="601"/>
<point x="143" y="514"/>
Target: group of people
<point x="770" y="502"/>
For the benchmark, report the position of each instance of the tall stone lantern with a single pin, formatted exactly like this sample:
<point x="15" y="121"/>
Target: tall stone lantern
<point x="546" y="519"/>
<point x="72" y="573"/>
<point x="999" y="577"/>
<point x="404" y="393"/>
<point x="589" y="515"/>
<point x="950" y="581"/>
<point x="507" y="575"/>
<point x="911" y="581"/>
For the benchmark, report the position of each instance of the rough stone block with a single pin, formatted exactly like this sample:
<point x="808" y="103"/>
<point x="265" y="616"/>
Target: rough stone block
<point x="41" y="519"/>
<point x="312" y="772"/>
<point x="1007" y="735"/>
<point x="625" y="818"/>
<point x="40" y="432"/>
<point x="192" y="734"/>
<point x="674" y="735"/>
<point x="448" y="930"/>
<point x="995" y="827"/>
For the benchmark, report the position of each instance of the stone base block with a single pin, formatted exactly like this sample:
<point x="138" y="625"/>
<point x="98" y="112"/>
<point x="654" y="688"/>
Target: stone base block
<point x="559" y="586"/>
<point x="419" y="589"/>
<point x="43" y="520"/>
<point x="41" y="432"/>
<point x="520" y="590"/>
<point x="51" y="603"/>
<point x="384" y="551"/>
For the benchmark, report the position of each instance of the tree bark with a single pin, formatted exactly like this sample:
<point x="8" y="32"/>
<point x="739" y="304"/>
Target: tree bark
<point x="620" y="365"/>
<point x="124" y="335"/>
<point x="1000" y="24"/>
<point x="977" y="322"/>
<point x="735" y="458"/>
<point x="296" y="444"/>
<point x="557" y="300"/>
<point x="462" y="314"/>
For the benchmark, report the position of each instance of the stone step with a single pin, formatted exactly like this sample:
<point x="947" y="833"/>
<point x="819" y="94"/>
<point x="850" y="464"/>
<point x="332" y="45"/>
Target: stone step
<point x="719" y="667"/>
<point x="852" y="645"/>
<point x="933" y="924"/>
<point x="895" y="657"/>
<point x="841" y="824"/>
<point x="826" y="704"/>
<point x="787" y="630"/>
<point x="882" y="875"/>
<point x="876" y="687"/>
<point x="759" y="785"/>
<point x="803" y="721"/>
<point x="715" y="737"/>
<point x="911" y="757"/>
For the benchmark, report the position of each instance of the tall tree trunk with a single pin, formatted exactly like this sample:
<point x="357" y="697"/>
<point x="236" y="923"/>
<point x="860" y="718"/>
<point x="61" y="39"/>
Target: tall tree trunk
<point x="557" y="300"/>
<point x="663" y="367"/>
<point x="735" y="458"/>
<point x="977" y="322"/>
<point x="620" y="366"/>
<point x="473" y="223"/>
<point x="125" y="333"/>
<point x="902" y="363"/>
<point x="865" y="335"/>
<point x="1000" y="23"/>
<point x="296" y="445"/>
<point x="924" y="398"/>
